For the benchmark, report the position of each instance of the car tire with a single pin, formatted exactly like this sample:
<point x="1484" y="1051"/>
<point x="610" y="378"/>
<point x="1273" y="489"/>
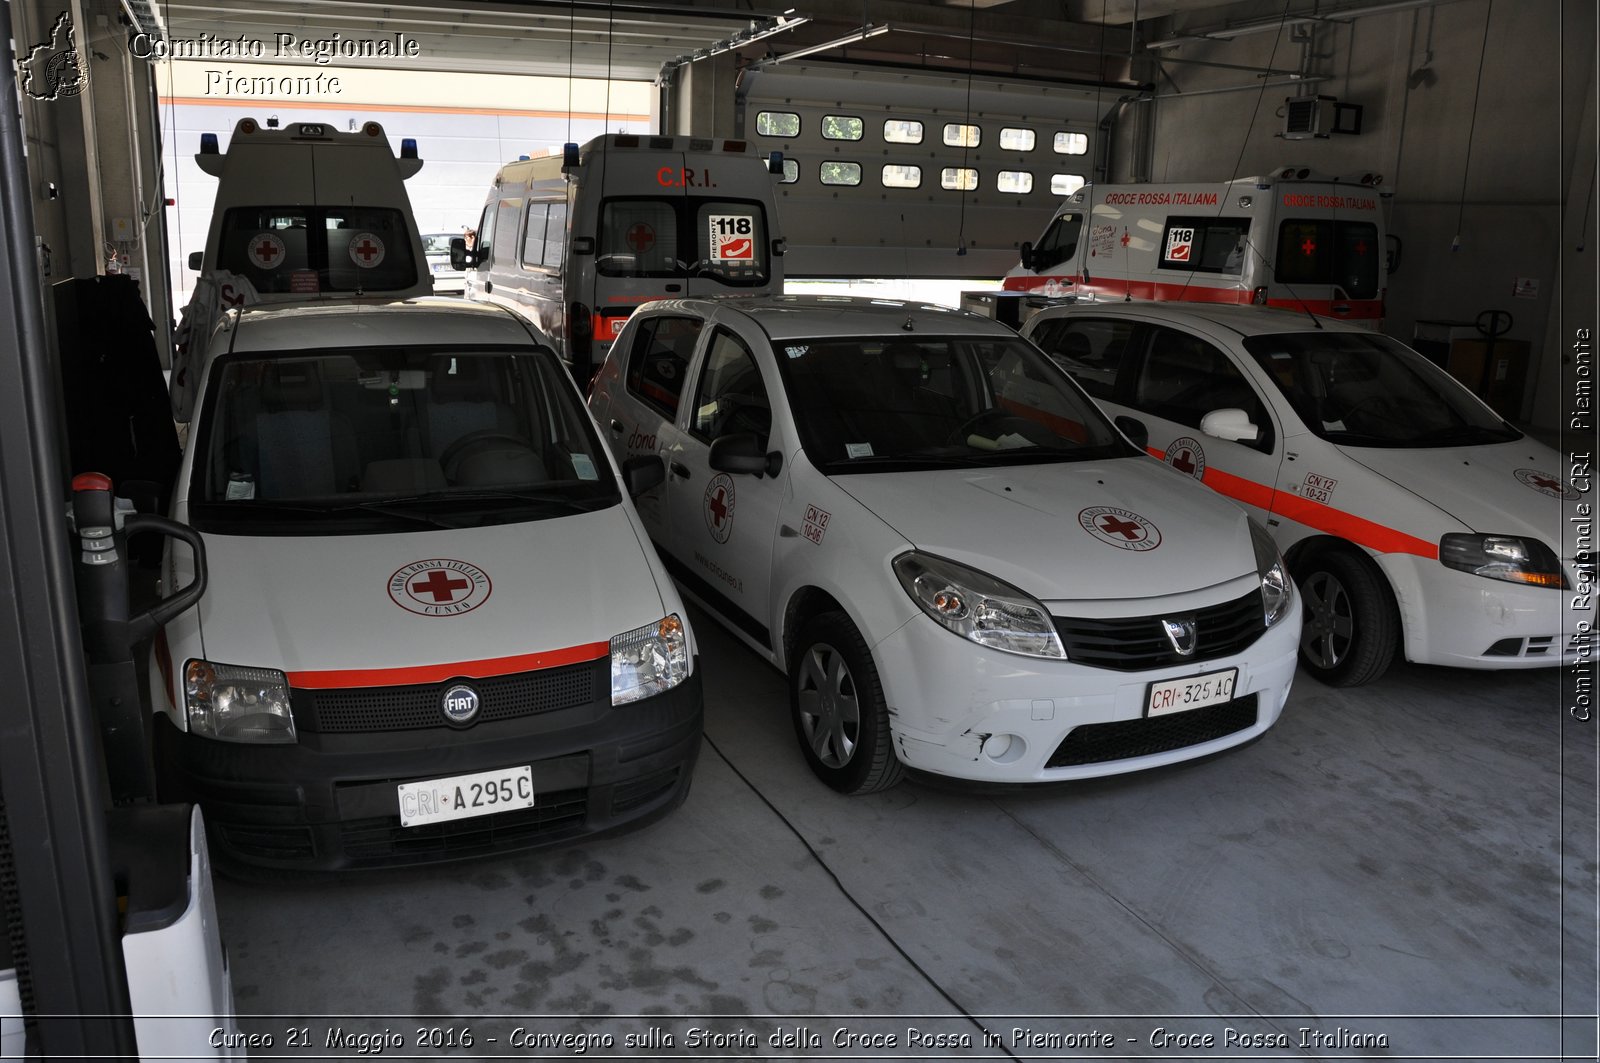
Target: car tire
<point x="1351" y="624"/>
<point x="836" y="702"/>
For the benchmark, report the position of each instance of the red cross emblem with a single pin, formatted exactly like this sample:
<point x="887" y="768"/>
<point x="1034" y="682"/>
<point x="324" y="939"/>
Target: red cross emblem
<point x="266" y="252"/>
<point x="1547" y="483"/>
<point x="1184" y="462"/>
<point x="719" y="507"/>
<point x="1125" y="238"/>
<point x="1361" y="247"/>
<point x="1117" y="526"/>
<point x="367" y="249"/>
<point x="1308" y="245"/>
<point x="641" y="237"/>
<point x="719" y="503"/>
<point x="441" y="586"/>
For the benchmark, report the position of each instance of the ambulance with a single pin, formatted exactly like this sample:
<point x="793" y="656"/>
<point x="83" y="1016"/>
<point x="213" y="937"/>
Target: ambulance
<point x="574" y="242"/>
<point x="1293" y="238"/>
<point x="434" y="627"/>
<point x="302" y="212"/>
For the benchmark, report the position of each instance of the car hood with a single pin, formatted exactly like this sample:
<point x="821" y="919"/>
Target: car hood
<point x="1156" y="532"/>
<point x="1505" y="488"/>
<point x="394" y="604"/>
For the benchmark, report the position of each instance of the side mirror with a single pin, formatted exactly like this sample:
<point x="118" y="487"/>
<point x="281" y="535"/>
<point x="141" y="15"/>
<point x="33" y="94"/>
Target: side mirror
<point x="196" y="259"/>
<point x="460" y="257"/>
<point x="641" y="473"/>
<point x="1230" y="424"/>
<point x="743" y="452"/>
<point x="1135" y="430"/>
<point x="1025" y="253"/>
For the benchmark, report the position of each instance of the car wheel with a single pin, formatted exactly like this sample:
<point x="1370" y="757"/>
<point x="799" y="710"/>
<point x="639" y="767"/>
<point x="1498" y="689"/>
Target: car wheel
<point x="1351" y="625"/>
<point x="836" y="701"/>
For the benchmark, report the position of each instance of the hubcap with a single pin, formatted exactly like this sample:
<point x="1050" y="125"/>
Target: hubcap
<point x="1329" y="621"/>
<point x="830" y="715"/>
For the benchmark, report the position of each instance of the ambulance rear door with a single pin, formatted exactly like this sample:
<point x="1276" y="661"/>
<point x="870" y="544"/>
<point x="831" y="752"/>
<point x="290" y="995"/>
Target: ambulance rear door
<point x="1328" y="251"/>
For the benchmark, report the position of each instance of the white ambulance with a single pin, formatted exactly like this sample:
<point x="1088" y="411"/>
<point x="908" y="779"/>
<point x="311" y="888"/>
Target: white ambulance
<point x="1415" y="519"/>
<point x="1293" y="238"/>
<point x="574" y="242"/>
<point x="302" y="212"/>
<point x="434" y="626"/>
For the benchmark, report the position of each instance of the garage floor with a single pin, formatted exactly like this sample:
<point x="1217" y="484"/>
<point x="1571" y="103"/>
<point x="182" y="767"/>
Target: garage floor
<point x="1387" y="852"/>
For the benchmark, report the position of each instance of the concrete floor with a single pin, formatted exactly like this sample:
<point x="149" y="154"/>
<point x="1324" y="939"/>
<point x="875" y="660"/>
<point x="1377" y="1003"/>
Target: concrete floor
<point x="1424" y="846"/>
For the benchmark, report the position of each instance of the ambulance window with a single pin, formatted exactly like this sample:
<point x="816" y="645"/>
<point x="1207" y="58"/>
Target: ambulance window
<point x="485" y="239"/>
<point x="1090" y="350"/>
<point x="507" y="218"/>
<point x="1059" y="242"/>
<point x="958" y="178"/>
<point x="659" y="361"/>
<point x="1064" y="184"/>
<point x="840" y="173"/>
<point x="1016" y="182"/>
<point x="731" y="397"/>
<point x="1071" y="144"/>
<point x="902" y="131"/>
<point x="957" y="135"/>
<point x="731" y="242"/>
<point x="533" y="235"/>
<point x="1324" y="251"/>
<point x="777" y="124"/>
<point x="841" y="127"/>
<point x="308" y="250"/>
<point x="555" y="236"/>
<point x="898" y="175"/>
<point x="1015" y="139"/>
<point x="791" y="172"/>
<point x="638" y="238"/>
<point x="1205" y="245"/>
<point x="1183" y="378"/>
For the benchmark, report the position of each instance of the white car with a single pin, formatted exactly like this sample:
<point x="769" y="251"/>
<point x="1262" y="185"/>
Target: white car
<point x="1414" y="518"/>
<point x="963" y="567"/>
<point x="434" y="626"/>
<point x="447" y="280"/>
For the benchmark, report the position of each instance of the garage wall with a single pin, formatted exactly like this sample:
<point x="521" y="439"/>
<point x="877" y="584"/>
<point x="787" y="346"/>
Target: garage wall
<point x="1476" y="141"/>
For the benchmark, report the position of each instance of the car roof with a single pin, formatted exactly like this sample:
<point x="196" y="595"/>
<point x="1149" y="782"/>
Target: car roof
<point x="353" y="323"/>
<point x="819" y="316"/>
<point x="1245" y="320"/>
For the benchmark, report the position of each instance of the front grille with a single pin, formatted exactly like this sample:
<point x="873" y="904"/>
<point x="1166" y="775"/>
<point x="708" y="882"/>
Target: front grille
<point x="383" y="838"/>
<point x="366" y="710"/>
<point x="1097" y="743"/>
<point x="1136" y="643"/>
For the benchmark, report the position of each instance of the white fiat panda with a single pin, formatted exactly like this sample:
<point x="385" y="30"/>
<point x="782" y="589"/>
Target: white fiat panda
<point x="434" y="625"/>
<point x="963" y="567"/>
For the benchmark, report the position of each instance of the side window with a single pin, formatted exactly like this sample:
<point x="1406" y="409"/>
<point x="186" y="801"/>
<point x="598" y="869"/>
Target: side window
<point x="555" y="236"/>
<point x="485" y="239"/>
<point x="1089" y="350"/>
<point x="533" y="235"/>
<point x="504" y="241"/>
<point x="1059" y="242"/>
<point x="730" y="397"/>
<point x="1183" y="378"/>
<point x="659" y="361"/>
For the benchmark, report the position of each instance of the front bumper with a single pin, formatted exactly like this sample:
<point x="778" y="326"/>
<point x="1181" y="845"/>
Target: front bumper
<point x="949" y="699"/>
<point x="330" y="801"/>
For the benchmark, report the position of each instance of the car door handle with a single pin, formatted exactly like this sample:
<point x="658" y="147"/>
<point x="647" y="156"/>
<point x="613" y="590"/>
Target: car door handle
<point x="488" y="286"/>
<point x="616" y="426"/>
<point x="679" y="469"/>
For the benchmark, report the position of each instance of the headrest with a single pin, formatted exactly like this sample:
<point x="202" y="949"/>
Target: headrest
<point x="1075" y="345"/>
<point x="292" y="386"/>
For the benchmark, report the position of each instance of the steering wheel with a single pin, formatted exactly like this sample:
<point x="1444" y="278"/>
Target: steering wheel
<point x="475" y="441"/>
<point x="1001" y="420"/>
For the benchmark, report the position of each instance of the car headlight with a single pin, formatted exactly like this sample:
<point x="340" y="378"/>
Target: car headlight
<point x="649" y="660"/>
<point x="232" y="703"/>
<point x="1276" y="589"/>
<point x="1507" y="557"/>
<point x="978" y="606"/>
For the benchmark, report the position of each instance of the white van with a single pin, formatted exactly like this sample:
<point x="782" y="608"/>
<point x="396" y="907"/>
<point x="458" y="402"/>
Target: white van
<point x="1293" y="238"/>
<point x="574" y="243"/>
<point x="303" y="212"/>
<point x="434" y="626"/>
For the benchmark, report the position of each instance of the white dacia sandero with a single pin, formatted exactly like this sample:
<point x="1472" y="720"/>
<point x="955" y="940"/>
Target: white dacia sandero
<point x="435" y="627"/>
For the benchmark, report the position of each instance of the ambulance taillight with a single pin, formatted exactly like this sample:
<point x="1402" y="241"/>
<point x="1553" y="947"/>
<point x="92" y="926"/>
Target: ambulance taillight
<point x="580" y="339"/>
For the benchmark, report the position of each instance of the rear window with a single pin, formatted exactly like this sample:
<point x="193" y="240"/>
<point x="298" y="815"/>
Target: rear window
<point x="1324" y="251"/>
<point x="309" y="250"/>
<point x="689" y="236"/>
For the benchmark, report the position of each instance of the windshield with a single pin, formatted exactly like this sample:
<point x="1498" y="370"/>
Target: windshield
<point x="308" y="250"/>
<point x="874" y="404"/>
<point x="366" y="440"/>
<point x="437" y="243"/>
<point x="684" y="236"/>
<point x="1367" y="390"/>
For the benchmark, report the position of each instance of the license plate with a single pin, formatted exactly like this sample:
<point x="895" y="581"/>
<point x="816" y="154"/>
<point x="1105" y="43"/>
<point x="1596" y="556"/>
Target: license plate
<point x="1179" y="695"/>
<point x="463" y="796"/>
